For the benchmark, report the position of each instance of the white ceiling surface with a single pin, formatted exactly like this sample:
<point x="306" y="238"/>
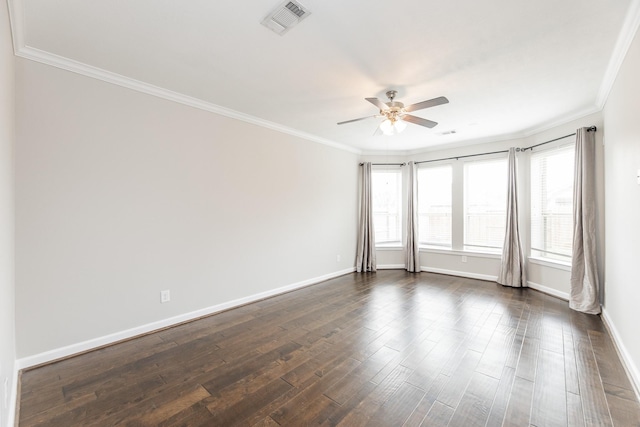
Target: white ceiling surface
<point x="508" y="67"/>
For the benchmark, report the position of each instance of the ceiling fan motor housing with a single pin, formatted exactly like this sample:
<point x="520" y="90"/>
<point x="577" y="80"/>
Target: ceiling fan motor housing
<point x="395" y="111"/>
<point x="395" y="105"/>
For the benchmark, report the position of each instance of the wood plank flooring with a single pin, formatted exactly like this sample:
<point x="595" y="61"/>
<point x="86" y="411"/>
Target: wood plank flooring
<point x="385" y="349"/>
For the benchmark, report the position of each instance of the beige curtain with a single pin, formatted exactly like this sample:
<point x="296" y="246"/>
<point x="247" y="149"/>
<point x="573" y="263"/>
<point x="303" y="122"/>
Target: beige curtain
<point x="412" y="260"/>
<point x="512" y="267"/>
<point x="584" y="295"/>
<point x="366" y="255"/>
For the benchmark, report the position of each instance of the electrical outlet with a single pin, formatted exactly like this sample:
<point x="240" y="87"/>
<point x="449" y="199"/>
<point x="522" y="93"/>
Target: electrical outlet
<point x="464" y="258"/>
<point x="337" y="258"/>
<point x="165" y="296"/>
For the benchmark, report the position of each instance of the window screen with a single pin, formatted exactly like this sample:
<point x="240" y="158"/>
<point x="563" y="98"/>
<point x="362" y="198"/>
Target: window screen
<point x="485" y="204"/>
<point x="552" y="203"/>
<point x="387" y="205"/>
<point x="434" y="205"/>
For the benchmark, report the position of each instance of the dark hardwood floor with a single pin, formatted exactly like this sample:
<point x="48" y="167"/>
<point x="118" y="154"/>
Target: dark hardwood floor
<point x="384" y="349"/>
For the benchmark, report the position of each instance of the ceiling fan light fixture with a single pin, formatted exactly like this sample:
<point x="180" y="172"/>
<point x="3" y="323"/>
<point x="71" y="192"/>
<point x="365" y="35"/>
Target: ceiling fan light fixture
<point x="395" y="113"/>
<point x="392" y="127"/>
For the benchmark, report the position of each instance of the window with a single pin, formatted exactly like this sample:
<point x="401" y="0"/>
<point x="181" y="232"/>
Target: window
<point x="485" y="204"/>
<point x="386" y="188"/>
<point x="552" y="203"/>
<point x="434" y="205"/>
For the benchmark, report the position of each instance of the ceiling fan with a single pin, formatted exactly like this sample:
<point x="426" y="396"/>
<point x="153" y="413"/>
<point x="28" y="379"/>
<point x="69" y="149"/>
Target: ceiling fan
<point x="396" y="114"/>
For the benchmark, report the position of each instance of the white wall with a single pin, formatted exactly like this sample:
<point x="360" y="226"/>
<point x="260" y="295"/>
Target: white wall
<point x="7" y="339"/>
<point x="120" y="195"/>
<point x="622" y="203"/>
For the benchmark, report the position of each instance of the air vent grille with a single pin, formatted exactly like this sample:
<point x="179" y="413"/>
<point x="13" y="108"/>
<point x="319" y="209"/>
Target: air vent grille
<point x="295" y="9"/>
<point x="285" y="16"/>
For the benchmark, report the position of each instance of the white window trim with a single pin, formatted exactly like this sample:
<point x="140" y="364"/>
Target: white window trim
<point x="496" y="156"/>
<point x="389" y="247"/>
<point x="552" y="263"/>
<point x="434" y="250"/>
<point x="541" y="259"/>
<point x="399" y="245"/>
<point x="450" y="164"/>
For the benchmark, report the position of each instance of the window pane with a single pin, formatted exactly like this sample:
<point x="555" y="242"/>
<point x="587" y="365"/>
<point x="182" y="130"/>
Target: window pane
<point x="552" y="203"/>
<point x="485" y="196"/>
<point x="434" y="205"/>
<point x="387" y="200"/>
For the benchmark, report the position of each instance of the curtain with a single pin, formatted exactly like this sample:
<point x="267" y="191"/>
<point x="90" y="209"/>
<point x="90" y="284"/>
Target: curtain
<point x="512" y="269"/>
<point x="412" y="250"/>
<point x="366" y="255"/>
<point x="584" y="294"/>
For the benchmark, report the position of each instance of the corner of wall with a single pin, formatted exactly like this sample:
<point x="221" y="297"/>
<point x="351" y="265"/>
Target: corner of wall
<point x="8" y="374"/>
<point x="627" y="361"/>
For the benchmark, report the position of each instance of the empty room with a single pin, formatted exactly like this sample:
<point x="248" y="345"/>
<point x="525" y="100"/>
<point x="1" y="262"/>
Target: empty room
<point x="297" y="213"/>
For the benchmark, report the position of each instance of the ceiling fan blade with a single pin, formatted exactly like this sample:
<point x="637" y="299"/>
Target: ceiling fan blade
<point x="426" y="104"/>
<point x="419" y="121"/>
<point x="355" y="120"/>
<point x="375" y="101"/>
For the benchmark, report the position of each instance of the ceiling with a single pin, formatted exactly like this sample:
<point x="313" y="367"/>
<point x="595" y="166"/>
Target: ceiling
<point x="508" y="68"/>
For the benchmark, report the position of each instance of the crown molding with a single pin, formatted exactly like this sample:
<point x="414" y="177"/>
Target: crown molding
<point x="494" y="138"/>
<point x="67" y="64"/>
<point x="16" y="18"/>
<point x="16" y="22"/>
<point x="466" y="143"/>
<point x="625" y="38"/>
<point x="561" y="121"/>
<point x="149" y="89"/>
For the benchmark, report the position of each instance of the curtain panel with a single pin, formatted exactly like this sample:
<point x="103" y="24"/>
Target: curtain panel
<point x="366" y="250"/>
<point x="512" y="266"/>
<point x="584" y="294"/>
<point x="412" y="260"/>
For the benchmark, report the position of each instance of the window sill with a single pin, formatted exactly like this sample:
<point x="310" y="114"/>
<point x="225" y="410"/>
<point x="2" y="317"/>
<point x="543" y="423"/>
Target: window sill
<point x="552" y="263"/>
<point x="390" y="247"/>
<point x="445" y="251"/>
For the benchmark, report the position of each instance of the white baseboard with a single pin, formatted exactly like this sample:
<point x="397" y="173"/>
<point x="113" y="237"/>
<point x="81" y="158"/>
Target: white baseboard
<point x="625" y="357"/>
<point x="548" y="290"/>
<point x="70" y="350"/>
<point x="466" y="274"/>
<point x="13" y="400"/>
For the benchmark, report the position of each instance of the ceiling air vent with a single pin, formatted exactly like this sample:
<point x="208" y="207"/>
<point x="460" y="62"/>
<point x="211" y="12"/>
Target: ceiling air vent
<point x="285" y="16"/>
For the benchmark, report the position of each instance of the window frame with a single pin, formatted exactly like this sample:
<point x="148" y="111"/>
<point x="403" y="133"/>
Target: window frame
<point x="535" y="253"/>
<point x="436" y="245"/>
<point x="474" y="248"/>
<point x="399" y="242"/>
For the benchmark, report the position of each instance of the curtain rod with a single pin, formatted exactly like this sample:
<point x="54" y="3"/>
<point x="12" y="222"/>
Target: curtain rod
<point x="462" y="157"/>
<point x="589" y="129"/>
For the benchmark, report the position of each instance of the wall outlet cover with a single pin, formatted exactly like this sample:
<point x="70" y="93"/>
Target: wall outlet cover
<point x="165" y="296"/>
